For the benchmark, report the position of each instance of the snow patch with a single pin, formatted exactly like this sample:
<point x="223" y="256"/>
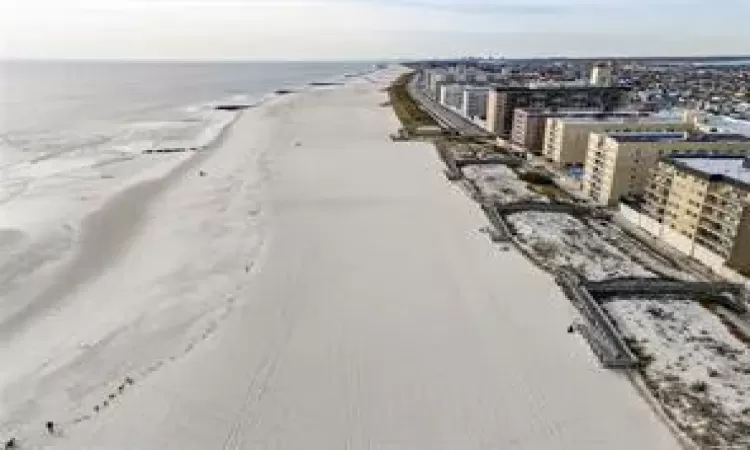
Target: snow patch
<point x="564" y="241"/>
<point x="698" y="368"/>
<point x="501" y="184"/>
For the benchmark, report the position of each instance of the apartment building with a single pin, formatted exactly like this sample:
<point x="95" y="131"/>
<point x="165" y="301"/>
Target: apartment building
<point x="602" y="74"/>
<point x="566" y="139"/>
<point x="618" y="164"/>
<point x="529" y="124"/>
<point x="701" y="206"/>
<point x="435" y="79"/>
<point x="503" y="101"/>
<point x="475" y="102"/>
<point x="452" y="95"/>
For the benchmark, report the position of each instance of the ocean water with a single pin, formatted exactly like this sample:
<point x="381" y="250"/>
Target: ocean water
<point x="50" y="109"/>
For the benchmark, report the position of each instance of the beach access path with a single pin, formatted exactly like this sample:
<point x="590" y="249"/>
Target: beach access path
<point x="378" y="317"/>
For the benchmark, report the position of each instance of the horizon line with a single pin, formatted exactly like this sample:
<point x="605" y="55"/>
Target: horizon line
<point x="374" y="60"/>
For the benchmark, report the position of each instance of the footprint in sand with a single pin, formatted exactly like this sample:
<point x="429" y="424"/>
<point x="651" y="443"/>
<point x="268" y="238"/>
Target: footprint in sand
<point x="78" y="420"/>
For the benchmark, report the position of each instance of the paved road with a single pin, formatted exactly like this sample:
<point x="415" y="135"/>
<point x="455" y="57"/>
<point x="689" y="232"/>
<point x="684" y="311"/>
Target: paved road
<point x="444" y="116"/>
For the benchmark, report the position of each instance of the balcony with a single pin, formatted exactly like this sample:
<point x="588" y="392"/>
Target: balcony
<point x="718" y="234"/>
<point x="657" y="191"/>
<point x="650" y="198"/>
<point x="708" y="235"/>
<point x="654" y="211"/>
<point x="720" y="204"/>
<point x="716" y="215"/>
<point x="715" y="246"/>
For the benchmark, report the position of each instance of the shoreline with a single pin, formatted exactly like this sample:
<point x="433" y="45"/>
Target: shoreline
<point x="104" y="238"/>
<point x="88" y="259"/>
<point x="83" y="262"/>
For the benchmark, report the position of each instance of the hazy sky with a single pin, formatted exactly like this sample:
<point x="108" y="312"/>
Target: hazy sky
<point x="369" y="29"/>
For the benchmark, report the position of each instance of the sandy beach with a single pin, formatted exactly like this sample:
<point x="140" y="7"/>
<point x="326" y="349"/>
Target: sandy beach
<point x="318" y="287"/>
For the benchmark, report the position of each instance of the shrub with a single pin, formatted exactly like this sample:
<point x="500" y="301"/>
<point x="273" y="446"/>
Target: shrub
<point x="536" y="178"/>
<point x="699" y="387"/>
<point x="545" y="249"/>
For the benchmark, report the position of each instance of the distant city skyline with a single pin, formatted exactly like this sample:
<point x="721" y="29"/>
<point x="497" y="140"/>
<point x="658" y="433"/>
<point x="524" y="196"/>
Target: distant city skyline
<point x="369" y="29"/>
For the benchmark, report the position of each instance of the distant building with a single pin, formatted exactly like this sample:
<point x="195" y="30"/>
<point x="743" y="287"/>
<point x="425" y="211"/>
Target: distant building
<point x="618" y="164"/>
<point x="602" y="75"/>
<point x="452" y="95"/>
<point x="503" y="101"/>
<point x="435" y="81"/>
<point x="566" y="139"/>
<point x="468" y="74"/>
<point x="475" y="102"/>
<point x="701" y="206"/>
<point x="529" y="124"/>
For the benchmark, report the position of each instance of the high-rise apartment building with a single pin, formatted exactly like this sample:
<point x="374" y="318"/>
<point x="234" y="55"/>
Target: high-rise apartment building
<point x="566" y="139"/>
<point x="702" y="206"/>
<point x="503" y="101"/>
<point x="619" y="164"/>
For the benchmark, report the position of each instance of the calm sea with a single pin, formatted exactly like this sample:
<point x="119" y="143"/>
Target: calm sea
<point x="52" y="107"/>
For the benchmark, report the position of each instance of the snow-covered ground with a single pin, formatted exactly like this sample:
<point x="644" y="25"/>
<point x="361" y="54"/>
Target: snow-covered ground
<point x="375" y="316"/>
<point x="638" y="252"/>
<point x="501" y="184"/>
<point x="610" y="244"/>
<point x="699" y="369"/>
<point x="564" y="241"/>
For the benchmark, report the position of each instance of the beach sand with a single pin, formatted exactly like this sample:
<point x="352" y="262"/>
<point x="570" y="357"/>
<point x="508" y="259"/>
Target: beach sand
<point x="320" y="288"/>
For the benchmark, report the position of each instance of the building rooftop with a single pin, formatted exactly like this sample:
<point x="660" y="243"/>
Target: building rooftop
<point x="557" y="84"/>
<point x="579" y="88"/>
<point x="718" y="168"/>
<point x="647" y="136"/>
<point x="584" y="114"/>
<point x="620" y="119"/>
<point x="660" y="136"/>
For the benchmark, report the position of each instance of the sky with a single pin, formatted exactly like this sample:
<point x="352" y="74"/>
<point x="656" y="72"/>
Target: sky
<point x="369" y="29"/>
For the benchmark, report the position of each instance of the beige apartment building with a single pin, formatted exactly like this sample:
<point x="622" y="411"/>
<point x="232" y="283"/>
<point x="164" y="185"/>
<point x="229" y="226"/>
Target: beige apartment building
<point x="529" y="124"/>
<point x="566" y="139"/>
<point x="618" y="164"/>
<point x="701" y="206"/>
